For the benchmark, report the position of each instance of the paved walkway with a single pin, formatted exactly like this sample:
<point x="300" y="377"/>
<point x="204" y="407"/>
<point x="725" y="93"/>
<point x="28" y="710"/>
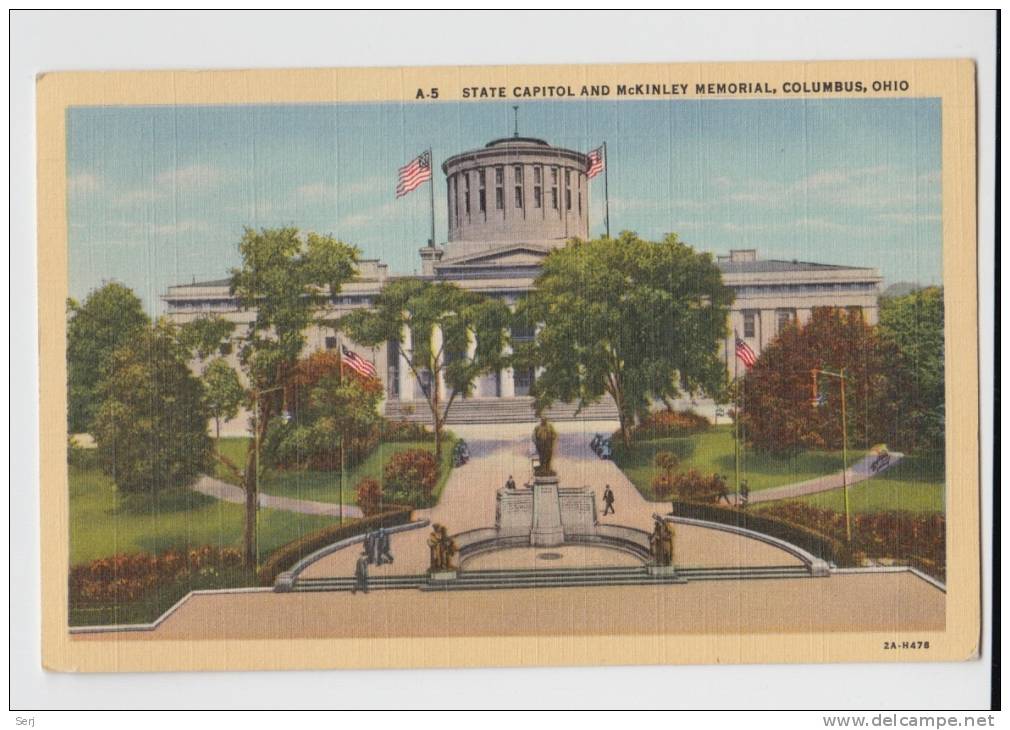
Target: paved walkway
<point x="230" y="493"/>
<point x="884" y="602"/>
<point x="468" y="502"/>
<point x="858" y="472"/>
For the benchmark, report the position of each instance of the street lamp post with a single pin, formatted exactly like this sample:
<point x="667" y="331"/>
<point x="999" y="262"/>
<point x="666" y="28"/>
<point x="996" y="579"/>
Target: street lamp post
<point x="815" y="401"/>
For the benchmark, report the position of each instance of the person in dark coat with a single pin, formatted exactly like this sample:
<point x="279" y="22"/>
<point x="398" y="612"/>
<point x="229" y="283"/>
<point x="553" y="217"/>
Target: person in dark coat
<point x="385" y="556"/>
<point x="368" y="546"/>
<point x="361" y="574"/>
<point x="511" y="483"/>
<point x="608" y="500"/>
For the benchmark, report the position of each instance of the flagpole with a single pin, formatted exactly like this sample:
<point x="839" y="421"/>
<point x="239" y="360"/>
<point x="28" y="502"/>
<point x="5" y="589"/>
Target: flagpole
<point x="431" y="195"/>
<point x="736" y="418"/>
<point x="606" y="188"/>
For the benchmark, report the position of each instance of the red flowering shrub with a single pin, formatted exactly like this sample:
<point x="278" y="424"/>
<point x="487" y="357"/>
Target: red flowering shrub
<point x="411" y="476"/>
<point x="663" y="484"/>
<point x="369" y="493"/>
<point x="905" y="536"/>
<point x="393" y="431"/>
<point x="670" y="423"/>
<point x="693" y="486"/>
<point x="125" y="578"/>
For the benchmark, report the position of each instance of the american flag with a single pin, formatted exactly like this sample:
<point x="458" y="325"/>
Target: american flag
<point x="357" y="363"/>
<point x="414" y="173"/>
<point x="595" y="163"/>
<point x="745" y="353"/>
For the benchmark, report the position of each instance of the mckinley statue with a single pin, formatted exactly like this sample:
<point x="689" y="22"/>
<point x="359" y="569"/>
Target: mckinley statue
<point x="544" y="438"/>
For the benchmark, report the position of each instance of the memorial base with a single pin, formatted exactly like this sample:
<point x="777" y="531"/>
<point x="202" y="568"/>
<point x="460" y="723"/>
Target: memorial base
<point x="662" y="570"/>
<point x="442" y="575"/>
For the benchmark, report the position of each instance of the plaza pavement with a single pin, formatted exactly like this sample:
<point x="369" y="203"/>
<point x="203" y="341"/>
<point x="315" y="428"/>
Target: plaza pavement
<point x="885" y="601"/>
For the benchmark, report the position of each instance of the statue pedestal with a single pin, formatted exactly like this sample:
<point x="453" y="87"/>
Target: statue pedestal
<point x="442" y="575"/>
<point x="547" y="529"/>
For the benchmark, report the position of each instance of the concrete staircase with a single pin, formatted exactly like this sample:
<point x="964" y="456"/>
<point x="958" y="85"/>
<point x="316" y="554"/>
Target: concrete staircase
<point x="553" y="578"/>
<point x="499" y="410"/>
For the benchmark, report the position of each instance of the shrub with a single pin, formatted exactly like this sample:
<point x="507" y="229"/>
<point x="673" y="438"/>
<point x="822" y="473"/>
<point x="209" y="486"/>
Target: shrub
<point x="129" y="577"/>
<point x="663" y="485"/>
<point x="666" y="460"/>
<point x="398" y="431"/>
<point x="369" y="493"/>
<point x="285" y="557"/>
<point x="693" y="486"/>
<point x="670" y="423"/>
<point x="903" y="536"/>
<point x="664" y="482"/>
<point x="411" y="476"/>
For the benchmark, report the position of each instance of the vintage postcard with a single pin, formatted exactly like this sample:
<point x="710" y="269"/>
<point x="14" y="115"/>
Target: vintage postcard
<point x="509" y="366"/>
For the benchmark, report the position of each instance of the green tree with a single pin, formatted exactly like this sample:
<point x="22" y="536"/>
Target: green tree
<point x="151" y="426"/>
<point x="625" y="317"/>
<point x="223" y="392"/>
<point x="329" y="413"/>
<point x="455" y="336"/>
<point x="106" y="321"/>
<point x="286" y="279"/>
<point x="775" y="395"/>
<point x="912" y="326"/>
<point x="206" y="335"/>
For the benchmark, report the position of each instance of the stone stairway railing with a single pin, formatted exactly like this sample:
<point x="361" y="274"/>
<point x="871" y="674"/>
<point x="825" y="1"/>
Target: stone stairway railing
<point x="556" y="578"/>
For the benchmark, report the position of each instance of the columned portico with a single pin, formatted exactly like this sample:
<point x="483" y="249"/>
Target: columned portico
<point x="407" y="380"/>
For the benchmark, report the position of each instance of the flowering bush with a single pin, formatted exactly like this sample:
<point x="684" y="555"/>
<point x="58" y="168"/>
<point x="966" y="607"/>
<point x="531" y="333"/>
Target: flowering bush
<point x="897" y="535"/>
<point x="670" y="423"/>
<point x="369" y="493"/>
<point x="411" y="476"/>
<point x="125" y="578"/>
<point x="393" y="431"/>
<point x="664" y="483"/>
<point x="693" y="486"/>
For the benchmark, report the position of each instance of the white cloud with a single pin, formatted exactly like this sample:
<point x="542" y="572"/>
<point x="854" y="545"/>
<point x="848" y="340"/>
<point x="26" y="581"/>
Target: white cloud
<point x="195" y="175"/>
<point x="83" y="183"/>
<point x="909" y="218"/>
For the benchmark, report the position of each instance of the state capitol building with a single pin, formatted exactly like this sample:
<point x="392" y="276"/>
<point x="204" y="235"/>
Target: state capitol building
<point x="509" y="204"/>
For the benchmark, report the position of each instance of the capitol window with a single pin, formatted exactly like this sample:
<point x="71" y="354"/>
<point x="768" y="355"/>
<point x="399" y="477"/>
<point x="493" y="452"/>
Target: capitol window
<point x="518" y="170"/>
<point x="783" y="318"/>
<point x="466" y="193"/>
<point x="537" y="186"/>
<point x="481" y="194"/>
<point x="750" y="323"/>
<point x="554" y="188"/>
<point x="499" y="189"/>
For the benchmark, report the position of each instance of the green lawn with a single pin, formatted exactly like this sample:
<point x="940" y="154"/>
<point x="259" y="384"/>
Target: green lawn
<point x="712" y="452"/>
<point x="323" y="486"/>
<point x="103" y="523"/>
<point x="915" y="484"/>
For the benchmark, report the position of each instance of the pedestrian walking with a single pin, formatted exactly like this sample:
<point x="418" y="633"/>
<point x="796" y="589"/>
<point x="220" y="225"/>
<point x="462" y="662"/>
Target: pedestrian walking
<point x="744" y="493"/>
<point x="385" y="556"/>
<point x="361" y="574"/>
<point x="368" y="546"/>
<point x="608" y="501"/>
<point x="723" y="491"/>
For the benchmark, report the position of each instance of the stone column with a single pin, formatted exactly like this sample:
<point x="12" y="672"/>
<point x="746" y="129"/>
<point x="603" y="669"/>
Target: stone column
<point x="407" y="379"/>
<point x="471" y="351"/>
<point x="508" y="383"/>
<point x="436" y="345"/>
<point x="768" y="325"/>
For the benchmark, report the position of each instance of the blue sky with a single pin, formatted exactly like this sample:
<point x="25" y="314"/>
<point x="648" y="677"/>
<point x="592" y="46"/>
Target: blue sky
<point x="159" y="195"/>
